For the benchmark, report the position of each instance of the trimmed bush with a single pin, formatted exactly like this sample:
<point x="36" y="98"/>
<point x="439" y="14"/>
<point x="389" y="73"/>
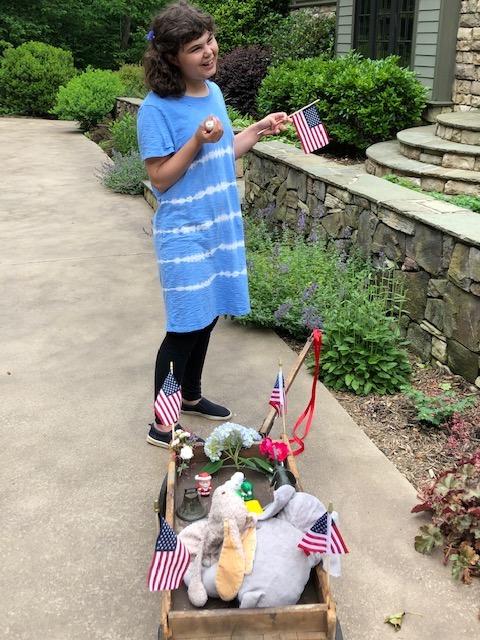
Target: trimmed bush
<point x="125" y="174"/>
<point x="88" y="98"/>
<point x="30" y="76"/>
<point x="361" y="101"/>
<point x="302" y="34"/>
<point x="133" y="80"/>
<point x="240" y="74"/>
<point x="124" y="134"/>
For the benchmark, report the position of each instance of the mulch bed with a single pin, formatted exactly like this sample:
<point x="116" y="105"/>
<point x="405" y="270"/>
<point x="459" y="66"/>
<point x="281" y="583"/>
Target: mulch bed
<point x="418" y="451"/>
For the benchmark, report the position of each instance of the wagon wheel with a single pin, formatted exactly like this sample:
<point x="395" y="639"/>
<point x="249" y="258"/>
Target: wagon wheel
<point x="338" y="631"/>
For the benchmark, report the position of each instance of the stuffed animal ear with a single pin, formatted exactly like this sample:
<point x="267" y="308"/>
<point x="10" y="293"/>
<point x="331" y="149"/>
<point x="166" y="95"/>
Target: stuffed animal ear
<point x="231" y="564"/>
<point x="249" y="542"/>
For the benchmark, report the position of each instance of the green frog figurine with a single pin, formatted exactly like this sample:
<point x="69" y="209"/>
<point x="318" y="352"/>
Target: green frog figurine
<point x="246" y="493"/>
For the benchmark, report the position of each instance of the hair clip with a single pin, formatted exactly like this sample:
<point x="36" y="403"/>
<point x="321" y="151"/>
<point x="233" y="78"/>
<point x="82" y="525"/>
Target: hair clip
<point x="150" y="36"/>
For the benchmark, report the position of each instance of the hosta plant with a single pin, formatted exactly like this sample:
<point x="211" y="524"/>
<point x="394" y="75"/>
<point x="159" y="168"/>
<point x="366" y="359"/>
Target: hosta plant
<point x="453" y="498"/>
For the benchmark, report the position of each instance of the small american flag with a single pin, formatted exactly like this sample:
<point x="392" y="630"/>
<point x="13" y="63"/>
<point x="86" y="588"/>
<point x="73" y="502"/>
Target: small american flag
<point x="170" y="561"/>
<point x="169" y="401"/>
<point x="310" y="129"/>
<point x="277" y="397"/>
<point x="323" y="537"/>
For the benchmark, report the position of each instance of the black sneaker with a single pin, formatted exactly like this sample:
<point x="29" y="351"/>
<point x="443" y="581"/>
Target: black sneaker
<point x="163" y="438"/>
<point x="208" y="410"/>
<point x="159" y="438"/>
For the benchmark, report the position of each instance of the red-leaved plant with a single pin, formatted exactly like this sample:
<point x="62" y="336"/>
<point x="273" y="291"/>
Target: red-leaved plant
<point x="454" y="500"/>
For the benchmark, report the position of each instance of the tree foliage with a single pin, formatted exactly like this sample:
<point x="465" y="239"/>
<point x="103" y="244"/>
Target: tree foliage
<point x="102" y="33"/>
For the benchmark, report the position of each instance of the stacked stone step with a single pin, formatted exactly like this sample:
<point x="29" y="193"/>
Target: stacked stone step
<point x="443" y="157"/>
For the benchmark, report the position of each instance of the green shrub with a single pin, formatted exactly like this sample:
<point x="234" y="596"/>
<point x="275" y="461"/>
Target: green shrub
<point x="298" y="284"/>
<point x="464" y="201"/>
<point x="243" y="22"/>
<point x="133" y="80"/>
<point x="361" y="101"/>
<point x="30" y="76"/>
<point x="125" y="174"/>
<point x="239" y="75"/>
<point x="124" y="134"/>
<point x="435" y="410"/>
<point x="302" y="34"/>
<point x="89" y="97"/>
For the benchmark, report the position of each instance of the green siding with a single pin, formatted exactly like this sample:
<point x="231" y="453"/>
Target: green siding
<point x="344" y="16"/>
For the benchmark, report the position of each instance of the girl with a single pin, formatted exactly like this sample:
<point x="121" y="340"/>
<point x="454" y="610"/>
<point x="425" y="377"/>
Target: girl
<point x="189" y="149"/>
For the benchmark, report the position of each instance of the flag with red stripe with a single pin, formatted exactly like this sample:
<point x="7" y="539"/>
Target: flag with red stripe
<point x="310" y="129"/>
<point x="168" y="401"/>
<point x="323" y="537"/>
<point x="170" y="561"/>
<point x="277" y="397"/>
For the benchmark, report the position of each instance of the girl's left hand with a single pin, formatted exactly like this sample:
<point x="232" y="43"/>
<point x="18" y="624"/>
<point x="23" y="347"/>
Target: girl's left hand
<point x="273" y="124"/>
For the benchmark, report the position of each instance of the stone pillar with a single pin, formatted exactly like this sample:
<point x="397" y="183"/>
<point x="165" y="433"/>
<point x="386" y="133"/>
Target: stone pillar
<point x="466" y="87"/>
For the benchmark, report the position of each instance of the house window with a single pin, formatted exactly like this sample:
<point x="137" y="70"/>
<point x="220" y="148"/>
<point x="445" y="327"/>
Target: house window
<point x="384" y="27"/>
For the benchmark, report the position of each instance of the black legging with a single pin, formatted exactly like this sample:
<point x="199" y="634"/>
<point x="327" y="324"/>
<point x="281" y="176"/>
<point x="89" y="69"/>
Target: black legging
<point x="187" y="351"/>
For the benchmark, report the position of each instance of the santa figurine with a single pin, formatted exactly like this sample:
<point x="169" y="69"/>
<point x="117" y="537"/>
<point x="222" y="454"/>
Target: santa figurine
<point x="203" y="483"/>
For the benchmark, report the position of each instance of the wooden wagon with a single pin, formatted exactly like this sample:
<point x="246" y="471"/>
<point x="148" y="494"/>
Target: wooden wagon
<point x="313" y="618"/>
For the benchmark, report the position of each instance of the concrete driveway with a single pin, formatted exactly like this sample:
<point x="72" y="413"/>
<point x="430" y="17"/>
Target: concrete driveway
<point x="81" y="320"/>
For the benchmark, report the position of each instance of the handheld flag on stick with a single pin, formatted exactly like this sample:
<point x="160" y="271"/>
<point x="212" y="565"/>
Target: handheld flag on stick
<point x="169" y="401"/>
<point x="310" y="128"/>
<point x="170" y="561"/>
<point x="277" y="397"/>
<point x="323" y="537"/>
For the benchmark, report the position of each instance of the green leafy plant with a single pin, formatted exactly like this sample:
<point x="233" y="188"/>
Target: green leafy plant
<point x="464" y="201"/>
<point x="302" y="34"/>
<point x="30" y="76"/>
<point x="297" y="284"/>
<point x="124" y="134"/>
<point x="89" y="97"/>
<point x="453" y="498"/>
<point x="244" y="22"/>
<point x="132" y="76"/>
<point x="361" y="101"/>
<point x="238" y="119"/>
<point x="435" y="410"/>
<point x="125" y="174"/>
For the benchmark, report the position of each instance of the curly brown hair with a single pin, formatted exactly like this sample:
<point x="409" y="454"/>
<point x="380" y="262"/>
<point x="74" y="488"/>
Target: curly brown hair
<point x="175" y="26"/>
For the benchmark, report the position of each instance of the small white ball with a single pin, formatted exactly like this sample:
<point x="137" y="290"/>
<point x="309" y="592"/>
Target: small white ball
<point x="209" y="124"/>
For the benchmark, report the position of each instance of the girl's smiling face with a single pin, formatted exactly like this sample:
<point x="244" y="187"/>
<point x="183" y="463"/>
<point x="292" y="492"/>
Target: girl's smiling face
<point x="198" y="59"/>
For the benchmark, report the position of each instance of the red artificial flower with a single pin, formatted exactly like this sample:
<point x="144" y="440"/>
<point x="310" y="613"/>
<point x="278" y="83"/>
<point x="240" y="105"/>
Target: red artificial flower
<point x="271" y="448"/>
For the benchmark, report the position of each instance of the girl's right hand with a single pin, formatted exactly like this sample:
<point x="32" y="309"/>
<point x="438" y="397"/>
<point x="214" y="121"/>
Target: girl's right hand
<point x="204" y="134"/>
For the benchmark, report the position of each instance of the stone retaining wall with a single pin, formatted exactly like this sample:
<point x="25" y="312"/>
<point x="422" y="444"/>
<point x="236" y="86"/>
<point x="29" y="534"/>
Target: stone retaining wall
<point x="434" y="246"/>
<point x="466" y="87"/>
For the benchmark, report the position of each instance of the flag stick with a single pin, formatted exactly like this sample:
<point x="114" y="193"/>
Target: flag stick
<point x="173" y="426"/>
<point x="282" y="391"/>
<point x="259" y="133"/>
<point x="327" y="570"/>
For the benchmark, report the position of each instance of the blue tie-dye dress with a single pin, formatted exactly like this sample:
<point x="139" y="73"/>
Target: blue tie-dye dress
<point x="197" y="228"/>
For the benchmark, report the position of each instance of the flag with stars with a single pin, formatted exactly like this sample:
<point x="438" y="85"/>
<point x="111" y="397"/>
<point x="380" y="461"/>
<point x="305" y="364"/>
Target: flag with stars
<point x="277" y="397"/>
<point x="169" y="401"/>
<point x="170" y="561"/>
<point x="324" y="537"/>
<point x="310" y="129"/>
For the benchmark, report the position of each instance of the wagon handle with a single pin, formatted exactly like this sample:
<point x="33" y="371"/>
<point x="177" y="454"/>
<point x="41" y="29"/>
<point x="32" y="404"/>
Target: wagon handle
<point x="292" y="374"/>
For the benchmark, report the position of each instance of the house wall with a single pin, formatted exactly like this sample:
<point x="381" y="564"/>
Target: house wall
<point x="435" y="25"/>
<point x="344" y="40"/>
<point x="466" y="88"/>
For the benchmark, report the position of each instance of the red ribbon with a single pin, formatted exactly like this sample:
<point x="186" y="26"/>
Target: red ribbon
<point x="310" y="408"/>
